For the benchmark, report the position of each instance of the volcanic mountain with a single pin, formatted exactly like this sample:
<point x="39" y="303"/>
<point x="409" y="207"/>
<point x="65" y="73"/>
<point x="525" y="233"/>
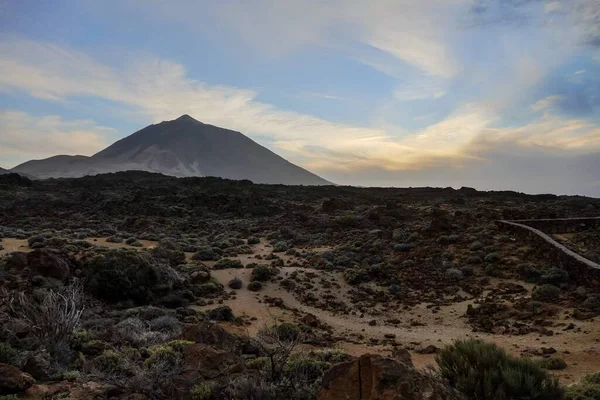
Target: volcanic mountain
<point x="182" y="147"/>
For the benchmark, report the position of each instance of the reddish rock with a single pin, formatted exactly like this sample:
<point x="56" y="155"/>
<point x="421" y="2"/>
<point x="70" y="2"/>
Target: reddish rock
<point x="12" y="380"/>
<point x="204" y="362"/>
<point x="46" y="263"/>
<point x="372" y="377"/>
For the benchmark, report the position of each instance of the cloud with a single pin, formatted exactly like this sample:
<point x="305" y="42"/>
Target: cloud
<point x="161" y="90"/>
<point x="545" y="103"/>
<point x="416" y="33"/>
<point x="24" y="136"/>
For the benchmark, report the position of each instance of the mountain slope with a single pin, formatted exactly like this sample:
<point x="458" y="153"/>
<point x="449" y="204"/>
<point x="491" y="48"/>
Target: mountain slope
<point x="182" y="147"/>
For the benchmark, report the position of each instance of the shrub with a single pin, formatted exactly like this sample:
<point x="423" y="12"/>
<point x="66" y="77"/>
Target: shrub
<point x="588" y="388"/>
<point x="546" y="293"/>
<point x="491" y="258"/>
<point x="166" y="324"/>
<point x="254" y="286"/>
<point x="114" y="239"/>
<point x="454" y="274"/>
<point x="165" y="355"/>
<point x="168" y="252"/>
<point x="304" y="369"/>
<point x="52" y="320"/>
<point x="554" y="363"/>
<point x="205" y="253"/>
<point x="253" y="240"/>
<point x="226" y="263"/>
<point x="492" y="270"/>
<point x="35" y="239"/>
<point x="355" y="275"/>
<point x="554" y="276"/>
<point x="287" y="331"/>
<point x="330" y="355"/>
<point x="222" y="313"/>
<point x="280" y="247"/>
<point x="258" y="363"/>
<point x="9" y="355"/>
<point x="483" y="371"/>
<point x="261" y="273"/>
<point x="110" y="362"/>
<point x="531" y="274"/>
<point x="202" y="391"/>
<point x="121" y="274"/>
<point x="236" y="283"/>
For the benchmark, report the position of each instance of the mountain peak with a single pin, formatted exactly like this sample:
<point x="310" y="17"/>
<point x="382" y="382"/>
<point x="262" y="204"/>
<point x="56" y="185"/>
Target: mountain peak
<point x="186" y="117"/>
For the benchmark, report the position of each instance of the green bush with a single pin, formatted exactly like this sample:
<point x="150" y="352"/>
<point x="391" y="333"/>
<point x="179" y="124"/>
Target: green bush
<point x="222" y="313"/>
<point x="9" y="355"/>
<point x="202" y="391"/>
<point x="121" y="274"/>
<point x="236" y="283"/>
<point x="261" y="273"/>
<point x="553" y="363"/>
<point x="355" y="275"/>
<point x="205" y="253"/>
<point x="287" y="331"/>
<point x="254" y="286"/>
<point x="588" y="388"/>
<point x="253" y="240"/>
<point x="168" y="252"/>
<point x="280" y="247"/>
<point x="305" y="369"/>
<point x="226" y="263"/>
<point x="483" y="371"/>
<point x="546" y="293"/>
<point x="163" y="355"/>
<point x="110" y="362"/>
<point x="554" y="276"/>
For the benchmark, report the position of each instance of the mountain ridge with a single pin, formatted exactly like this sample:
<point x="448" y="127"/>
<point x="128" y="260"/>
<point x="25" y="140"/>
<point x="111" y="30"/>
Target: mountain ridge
<point x="182" y="147"/>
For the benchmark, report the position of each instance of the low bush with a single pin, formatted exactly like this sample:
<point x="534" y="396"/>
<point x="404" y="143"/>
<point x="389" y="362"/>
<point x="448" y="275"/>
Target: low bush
<point x="280" y="247"/>
<point x="546" y="293"/>
<point x="227" y="263"/>
<point x="9" y="355"/>
<point x="483" y="371"/>
<point x="554" y="363"/>
<point x="202" y="391"/>
<point x="253" y="240"/>
<point x="204" y="253"/>
<point x="254" y="286"/>
<point x="588" y="388"/>
<point x="554" y="276"/>
<point x="168" y="252"/>
<point x="120" y="274"/>
<point x="261" y="273"/>
<point x="236" y="283"/>
<point x="222" y="313"/>
<point x="287" y="331"/>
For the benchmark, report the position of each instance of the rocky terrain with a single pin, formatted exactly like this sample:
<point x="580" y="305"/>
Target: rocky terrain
<point x="141" y="286"/>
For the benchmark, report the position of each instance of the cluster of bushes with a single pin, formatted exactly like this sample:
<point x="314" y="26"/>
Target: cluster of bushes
<point x="122" y="275"/>
<point x="483" y="371"/>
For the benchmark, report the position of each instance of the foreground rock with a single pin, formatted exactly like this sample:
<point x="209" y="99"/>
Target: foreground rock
<point x="373" y="377"/>
<point x="12" y="380"/>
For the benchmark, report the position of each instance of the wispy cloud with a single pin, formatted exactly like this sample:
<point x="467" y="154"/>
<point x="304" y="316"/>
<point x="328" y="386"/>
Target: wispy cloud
<point x="24" y="136"/>
<point x="545" y="103"/>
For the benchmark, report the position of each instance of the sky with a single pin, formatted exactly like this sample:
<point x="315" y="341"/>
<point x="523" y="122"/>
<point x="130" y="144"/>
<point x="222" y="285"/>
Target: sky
<point x="491" y="94"/>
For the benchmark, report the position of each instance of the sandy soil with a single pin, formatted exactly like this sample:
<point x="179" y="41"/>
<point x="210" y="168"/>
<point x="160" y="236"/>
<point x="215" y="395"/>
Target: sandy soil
<point x="11" y="245"/>
<point x="581" y="350"/>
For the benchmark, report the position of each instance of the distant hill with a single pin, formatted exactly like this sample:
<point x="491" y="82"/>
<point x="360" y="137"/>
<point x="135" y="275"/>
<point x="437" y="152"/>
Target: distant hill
<point x="182" y="147"/>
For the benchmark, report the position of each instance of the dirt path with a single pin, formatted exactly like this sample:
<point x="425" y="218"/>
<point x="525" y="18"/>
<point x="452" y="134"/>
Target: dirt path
<point x="579" y="349"/>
